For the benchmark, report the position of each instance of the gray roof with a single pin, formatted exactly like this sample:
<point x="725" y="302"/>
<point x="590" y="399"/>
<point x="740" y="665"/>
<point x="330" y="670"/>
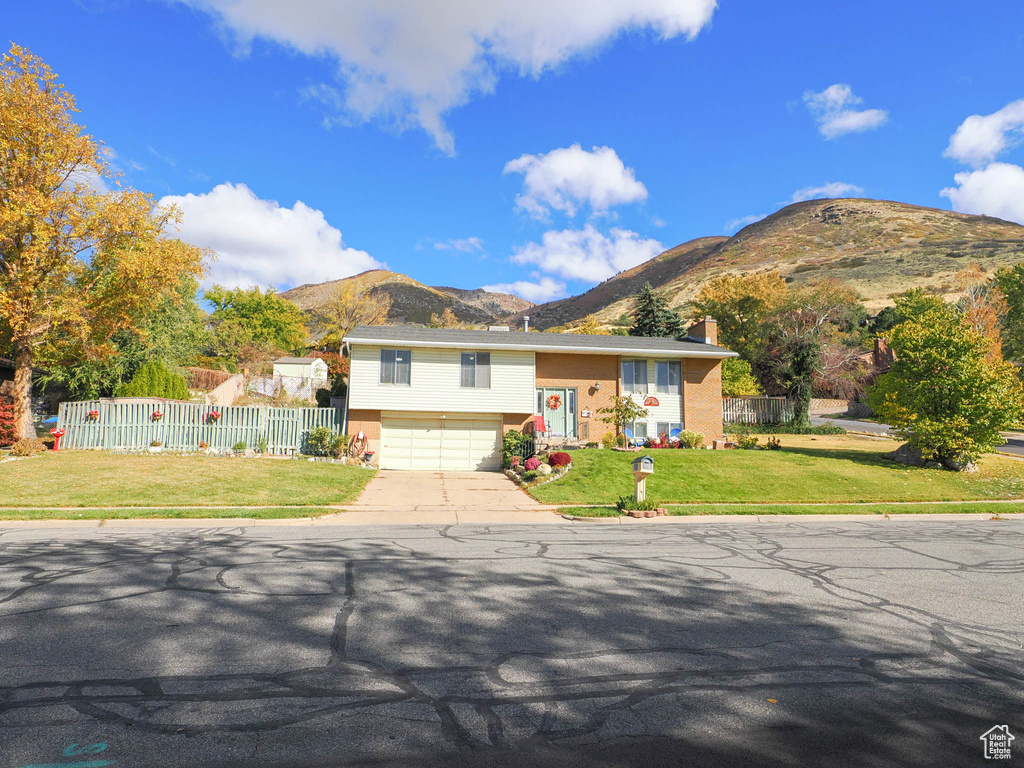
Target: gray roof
<point x="296" y="360"/>
<point x="415" y="336"/>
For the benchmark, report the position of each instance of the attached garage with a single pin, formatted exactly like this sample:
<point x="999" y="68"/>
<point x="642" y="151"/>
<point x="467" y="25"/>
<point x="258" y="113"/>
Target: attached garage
<point x="455" y="442"/>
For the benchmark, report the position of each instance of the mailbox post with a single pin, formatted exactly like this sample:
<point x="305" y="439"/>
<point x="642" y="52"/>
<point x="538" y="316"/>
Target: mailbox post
<point x="642" y="468"/>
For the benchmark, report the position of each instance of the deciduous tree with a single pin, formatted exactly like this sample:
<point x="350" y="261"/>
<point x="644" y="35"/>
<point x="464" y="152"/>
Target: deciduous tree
<point x="78" y="264"/>
<point x="250" y="317"/>
<point x="1011" y="283"/>
<point x="742" y="305"/>
<point x="944" y="393"/>
<point x="349" y="306"/>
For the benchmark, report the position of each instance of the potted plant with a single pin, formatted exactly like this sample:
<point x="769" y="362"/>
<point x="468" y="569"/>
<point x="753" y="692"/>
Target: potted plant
<point x="155" y="446"/>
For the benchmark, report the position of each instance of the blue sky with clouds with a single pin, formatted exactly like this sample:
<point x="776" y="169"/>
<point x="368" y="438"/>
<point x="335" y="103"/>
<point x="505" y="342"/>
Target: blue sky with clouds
<point x="538" y="146"/>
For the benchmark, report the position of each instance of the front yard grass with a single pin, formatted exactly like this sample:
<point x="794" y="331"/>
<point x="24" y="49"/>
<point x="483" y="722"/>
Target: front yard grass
<point x="177" y="513"/>
<point x="98" y="478"/>
<point x="841" y="468"/>
<point x="965" y="507"/>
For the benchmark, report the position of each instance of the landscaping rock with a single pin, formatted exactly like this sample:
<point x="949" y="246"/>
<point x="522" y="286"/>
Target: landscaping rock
<point x="911" y="456"/>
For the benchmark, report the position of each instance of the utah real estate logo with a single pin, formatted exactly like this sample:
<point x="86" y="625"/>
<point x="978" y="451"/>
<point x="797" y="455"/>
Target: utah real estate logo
<point x="997" y="742"/>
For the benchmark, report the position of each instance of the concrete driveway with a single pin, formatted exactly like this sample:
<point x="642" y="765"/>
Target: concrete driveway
<point x="445" y="497"/>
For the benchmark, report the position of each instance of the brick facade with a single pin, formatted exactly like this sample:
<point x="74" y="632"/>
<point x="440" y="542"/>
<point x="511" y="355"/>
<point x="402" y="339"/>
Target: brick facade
<point x="702" y="396"/>
<point x="583" y="372"/>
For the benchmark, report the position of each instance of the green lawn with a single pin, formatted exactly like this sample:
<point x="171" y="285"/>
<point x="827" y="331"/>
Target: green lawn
<point x="97" y="478"/>
<point x="987" y="507"/>
<point x="843" y="468"/>
<point x="178" y="513"/>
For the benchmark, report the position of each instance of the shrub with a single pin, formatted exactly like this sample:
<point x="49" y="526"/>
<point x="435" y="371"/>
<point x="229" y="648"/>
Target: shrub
<point x="592" y="445"/>
<point x="628" y="503"/>
<point x="689" y="439"/>
<point x="559" y="459"/>
<point x="156" y="443"/>
<point x="203" y="445"/>
<point x="785" y="429"/>
<point x="514" y="443"/>
<point x="748" y="442"/>
<point x="8" y="434"/>
<point x="28" y="446"/>
<point x="531" y="466"/>
<point x="154" y="380"/>
<point x="609" y="440"/>
<point x="239" y="447"/>
<point x="320" y="440"/>
<point x="338" y="446"/>
<point x="620" y="441"/>
<point x="531" y="475"/>
<point x="773" y="444"/>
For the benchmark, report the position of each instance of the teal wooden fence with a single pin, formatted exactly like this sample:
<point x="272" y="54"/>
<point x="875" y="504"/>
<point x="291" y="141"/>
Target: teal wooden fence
<point x="183" y="426"/>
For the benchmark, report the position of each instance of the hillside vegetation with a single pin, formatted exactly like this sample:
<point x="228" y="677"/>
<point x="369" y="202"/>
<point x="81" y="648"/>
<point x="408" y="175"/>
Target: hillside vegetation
<point x="877" y="247"/>
<point x="414" y="302"/>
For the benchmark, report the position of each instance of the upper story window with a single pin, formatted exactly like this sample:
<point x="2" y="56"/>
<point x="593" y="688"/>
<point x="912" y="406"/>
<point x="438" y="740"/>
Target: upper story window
<point x="395" y="366"/>
<point x="476" y="370"/>
<point x="667" y="377"/>
<point x="634" y="376"/>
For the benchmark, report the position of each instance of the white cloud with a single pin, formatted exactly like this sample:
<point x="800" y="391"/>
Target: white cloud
<point x="462" y="245"/>
<point x="259" y="242"/>
<point x="412" y="62"/>
<point x="996" y="190"/>
<point x="828" y="189"/>
<point x="545" y="289"/>
<point x="567" y="178"/>
<point x="833" y="109"/>
<point x="588" y="254"/>
<point x="734" y="225"/>
<point x="982" y="138"/>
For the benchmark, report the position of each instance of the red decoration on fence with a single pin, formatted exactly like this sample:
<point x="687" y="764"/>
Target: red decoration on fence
<point x="212" y="416"/>
<point x="157" y="415"/>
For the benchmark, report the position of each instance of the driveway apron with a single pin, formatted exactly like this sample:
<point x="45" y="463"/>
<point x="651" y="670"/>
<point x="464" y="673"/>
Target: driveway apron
<point x="445" y="497"/>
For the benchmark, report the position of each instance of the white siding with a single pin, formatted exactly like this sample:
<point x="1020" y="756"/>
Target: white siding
<point x="317" y="370"/>
<point x="435" y="383"/>
<point x="669" y="408"/>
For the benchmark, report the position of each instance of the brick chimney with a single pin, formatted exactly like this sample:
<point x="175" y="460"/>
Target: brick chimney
<point x="705" y="331"/>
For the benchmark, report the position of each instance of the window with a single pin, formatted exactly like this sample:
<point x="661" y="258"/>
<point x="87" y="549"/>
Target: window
<point x="670" y="429"/>
<point x="666" y="377"/>
<point x="476" y="370"/>
<point x="395" y="365"/>
<point x="636" y="432"/>
<point x="634" y="376"/>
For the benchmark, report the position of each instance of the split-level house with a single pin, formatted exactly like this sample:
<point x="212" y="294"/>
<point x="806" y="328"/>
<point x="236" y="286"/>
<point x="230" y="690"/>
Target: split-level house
<point x="429" y="398"/>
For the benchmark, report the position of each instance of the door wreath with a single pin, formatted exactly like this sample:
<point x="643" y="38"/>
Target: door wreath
<point x="554" y="402"/>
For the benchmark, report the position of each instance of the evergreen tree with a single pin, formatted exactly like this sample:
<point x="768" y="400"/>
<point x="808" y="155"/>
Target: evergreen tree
<point x="652" y="316"/>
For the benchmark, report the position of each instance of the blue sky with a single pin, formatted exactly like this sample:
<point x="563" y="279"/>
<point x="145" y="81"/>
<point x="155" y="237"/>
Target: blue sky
<point x="535" y="146"/>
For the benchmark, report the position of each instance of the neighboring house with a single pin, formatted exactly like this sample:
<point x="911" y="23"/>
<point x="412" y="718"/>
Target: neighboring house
<point x="300" y="368"/>
<point x="433" y="399"/>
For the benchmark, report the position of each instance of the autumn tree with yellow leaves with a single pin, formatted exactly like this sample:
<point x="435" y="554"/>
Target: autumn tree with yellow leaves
<point x="349" y="306"/>
<point x="77" y="263"/>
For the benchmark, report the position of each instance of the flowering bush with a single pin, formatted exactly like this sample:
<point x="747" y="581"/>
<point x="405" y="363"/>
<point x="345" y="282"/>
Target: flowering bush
<point x="559" y="459"/>
<point x="532" y="464"/>
<point x="157" y="415"/>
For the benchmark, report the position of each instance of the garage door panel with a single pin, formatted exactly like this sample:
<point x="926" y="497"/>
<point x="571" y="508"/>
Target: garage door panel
<point x="432" y="443"/>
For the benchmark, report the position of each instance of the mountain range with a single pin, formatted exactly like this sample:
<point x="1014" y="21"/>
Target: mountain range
<point x="878" y="247"/>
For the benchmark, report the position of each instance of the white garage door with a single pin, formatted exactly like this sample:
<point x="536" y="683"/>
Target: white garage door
<point x="456" y="442"/>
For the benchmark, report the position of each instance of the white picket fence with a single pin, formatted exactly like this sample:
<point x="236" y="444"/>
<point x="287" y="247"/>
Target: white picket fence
<point x="756" y="410"/>
<point x="133" y="425"/>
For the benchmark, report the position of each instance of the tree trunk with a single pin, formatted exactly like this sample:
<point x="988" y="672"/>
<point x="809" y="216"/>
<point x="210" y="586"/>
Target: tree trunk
<point x="24" y="427"/>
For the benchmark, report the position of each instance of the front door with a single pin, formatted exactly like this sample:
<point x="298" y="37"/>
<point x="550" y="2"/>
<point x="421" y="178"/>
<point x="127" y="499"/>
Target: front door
<point x="558" y="406"/>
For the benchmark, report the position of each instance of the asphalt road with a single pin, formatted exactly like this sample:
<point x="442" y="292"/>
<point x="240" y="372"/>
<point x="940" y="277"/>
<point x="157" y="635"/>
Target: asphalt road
<point x="1014" y="440"/>
<point x="817" y="643"/>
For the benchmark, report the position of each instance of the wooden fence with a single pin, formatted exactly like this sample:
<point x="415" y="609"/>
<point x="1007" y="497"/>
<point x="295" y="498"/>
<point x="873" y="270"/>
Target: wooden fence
<point x="756" y="410"/>
<point x="183" y="426"/>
